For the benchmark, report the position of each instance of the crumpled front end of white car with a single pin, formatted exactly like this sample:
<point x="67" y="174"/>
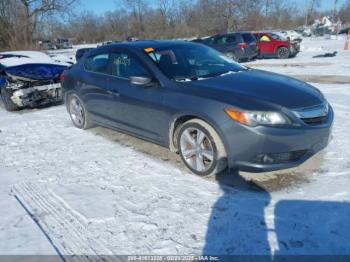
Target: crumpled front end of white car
<point x="32" y="96"/>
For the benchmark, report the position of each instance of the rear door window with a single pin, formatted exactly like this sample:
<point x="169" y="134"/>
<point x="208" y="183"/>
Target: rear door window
<point x="231" y="39"/>
<point x="221" y="40"/>
<point x="209" y="41"/>
<point x="98" y="63"/>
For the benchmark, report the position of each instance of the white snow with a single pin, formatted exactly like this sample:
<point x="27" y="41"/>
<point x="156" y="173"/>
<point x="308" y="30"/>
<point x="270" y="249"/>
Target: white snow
<point x="304" y="63"/>
<point x="91" y="194"/>
<point x="29" y="57"/>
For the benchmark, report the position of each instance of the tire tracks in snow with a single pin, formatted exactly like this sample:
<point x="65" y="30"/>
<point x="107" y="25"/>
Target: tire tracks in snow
<point x="67" y="230"/>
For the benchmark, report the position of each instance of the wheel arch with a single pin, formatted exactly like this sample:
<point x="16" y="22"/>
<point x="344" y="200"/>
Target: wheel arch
<point x="279" y="46"/>
<point x="180" y="119"/>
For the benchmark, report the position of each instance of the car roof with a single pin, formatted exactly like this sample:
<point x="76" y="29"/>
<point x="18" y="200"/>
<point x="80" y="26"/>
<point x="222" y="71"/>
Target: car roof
<point x="230" y="33"/>
<point x="157" y="44"/>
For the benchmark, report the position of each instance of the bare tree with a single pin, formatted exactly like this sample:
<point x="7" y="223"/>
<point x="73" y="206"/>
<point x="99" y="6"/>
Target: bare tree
<point x="312" y="5"/>
<point x="137" y="8"/>
<point x="10" y="24"/>
<point x="267" y="7"/>
<point x="344" y="13"/>
<point x="21" y="21"/>
<point x="335" y="3"/>
<point x="164" y="6"/>
<point x="34" y="9"/>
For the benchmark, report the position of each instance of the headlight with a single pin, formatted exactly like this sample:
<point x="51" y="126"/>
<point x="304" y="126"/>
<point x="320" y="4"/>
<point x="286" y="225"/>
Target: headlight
<point x="254" y="118"/>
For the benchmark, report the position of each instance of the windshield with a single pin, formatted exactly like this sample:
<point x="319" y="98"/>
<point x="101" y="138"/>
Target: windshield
<point x="187" y="62"/>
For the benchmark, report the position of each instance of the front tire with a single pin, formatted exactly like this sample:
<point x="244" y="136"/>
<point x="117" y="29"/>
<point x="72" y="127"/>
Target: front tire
<point x="283" y="52"/>
<point x="201" y="148"/>
<point x="78" y="112"/>
<point x="6" y="98"/>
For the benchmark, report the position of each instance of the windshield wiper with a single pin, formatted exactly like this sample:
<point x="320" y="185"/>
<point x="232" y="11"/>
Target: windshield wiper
<point x="228" y="72"/>
<point x="194" y="78"/>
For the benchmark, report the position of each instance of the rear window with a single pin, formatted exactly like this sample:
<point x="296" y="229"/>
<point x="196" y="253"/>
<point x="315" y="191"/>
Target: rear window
<point x="249" y="38"/>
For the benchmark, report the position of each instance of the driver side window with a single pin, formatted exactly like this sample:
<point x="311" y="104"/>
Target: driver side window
<point x="125" y="66"/>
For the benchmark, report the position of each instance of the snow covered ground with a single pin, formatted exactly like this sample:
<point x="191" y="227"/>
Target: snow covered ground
<point x="68" y="191"/>
<point x="304" y="65"/>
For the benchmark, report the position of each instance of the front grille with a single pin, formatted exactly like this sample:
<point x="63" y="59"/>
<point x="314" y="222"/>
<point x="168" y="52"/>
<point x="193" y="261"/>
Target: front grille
<point x="314" y="121"/>
<point x="316" y="115"/>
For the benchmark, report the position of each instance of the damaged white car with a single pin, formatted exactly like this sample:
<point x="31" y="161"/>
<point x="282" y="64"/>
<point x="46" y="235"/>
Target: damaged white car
<point x="29" y="79"/>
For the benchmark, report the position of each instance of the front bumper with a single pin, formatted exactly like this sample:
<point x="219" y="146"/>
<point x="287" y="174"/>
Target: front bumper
<point x="37" y="95"/>
<point x="247" y="146"/>
<point x="294" y="50"/>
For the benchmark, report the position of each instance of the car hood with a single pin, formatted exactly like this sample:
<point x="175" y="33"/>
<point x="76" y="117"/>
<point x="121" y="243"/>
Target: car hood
<point x="259" y="86"/>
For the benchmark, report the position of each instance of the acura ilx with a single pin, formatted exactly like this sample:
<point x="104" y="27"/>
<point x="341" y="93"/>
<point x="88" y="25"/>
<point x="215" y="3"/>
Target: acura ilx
<point x="192" y="99"/>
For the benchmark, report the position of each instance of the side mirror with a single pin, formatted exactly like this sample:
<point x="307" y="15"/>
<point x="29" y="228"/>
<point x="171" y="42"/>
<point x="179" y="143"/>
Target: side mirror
<point x="141" y="81"/>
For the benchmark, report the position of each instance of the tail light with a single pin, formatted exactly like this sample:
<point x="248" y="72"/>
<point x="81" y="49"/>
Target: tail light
<point x="242" y="45"/>
<point x="62" y="77"/>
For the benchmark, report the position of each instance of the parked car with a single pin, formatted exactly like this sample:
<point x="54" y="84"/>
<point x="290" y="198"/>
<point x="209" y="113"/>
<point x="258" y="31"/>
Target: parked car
<point x="214" y="112"/>
<point x="110" y="42"/>
<point x="275" y="45"/>
<point x="66" y="45"/>
<point x="307" y="32"/>
<point x="252" y="49"/>
<point x="81" y="52"/>
<point x="63" y="43"/>
<point x="29" y="79"/>
<point x="47" y="45"/>
<point x="231" y="44"/>
<point x="292" y="35"/>
<point x="344" y="30"/>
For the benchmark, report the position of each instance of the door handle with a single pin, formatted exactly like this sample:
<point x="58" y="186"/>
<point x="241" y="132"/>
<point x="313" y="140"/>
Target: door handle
<point x="113" y="92"/>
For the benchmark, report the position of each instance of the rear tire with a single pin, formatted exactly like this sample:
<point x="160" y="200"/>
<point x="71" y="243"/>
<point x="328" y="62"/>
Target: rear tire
<point x="6" y="95"/>
<point x="283" y="52"/>
<point x="201" y="148"/>
<point x="78" y="112"/>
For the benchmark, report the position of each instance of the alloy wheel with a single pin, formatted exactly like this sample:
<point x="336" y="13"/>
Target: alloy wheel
<point x="197" y="149"/>
<point x="283" y="52"/>
<point x="77" y="111"/>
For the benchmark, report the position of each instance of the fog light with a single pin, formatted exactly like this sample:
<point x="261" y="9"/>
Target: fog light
<point x="263" y="158"/>
<point x="277" y="158"/>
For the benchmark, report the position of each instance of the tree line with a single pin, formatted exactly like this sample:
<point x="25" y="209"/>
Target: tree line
<point x="24" y="22"/>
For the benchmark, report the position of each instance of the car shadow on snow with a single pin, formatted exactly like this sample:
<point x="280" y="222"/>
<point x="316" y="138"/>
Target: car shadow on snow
<point x="237" y="224"/>
<point x="311" y="230"/>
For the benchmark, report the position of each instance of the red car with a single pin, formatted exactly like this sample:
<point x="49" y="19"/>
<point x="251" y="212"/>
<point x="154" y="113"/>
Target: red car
<point x="275" y="45"/>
